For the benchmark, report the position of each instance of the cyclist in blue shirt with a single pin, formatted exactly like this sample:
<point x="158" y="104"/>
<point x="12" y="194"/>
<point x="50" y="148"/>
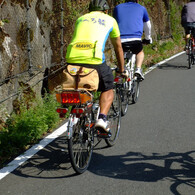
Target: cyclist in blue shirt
<point x="133" y="19"/>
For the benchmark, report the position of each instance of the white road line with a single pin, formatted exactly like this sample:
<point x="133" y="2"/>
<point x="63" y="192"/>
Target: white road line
<point x="32" y="151"/>
<point x="36" y="148"/>
<point x="158" y="64"/>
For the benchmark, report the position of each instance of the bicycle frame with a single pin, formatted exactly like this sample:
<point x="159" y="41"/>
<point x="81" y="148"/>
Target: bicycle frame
<point x="191" y="49"/>
<point x="133" y="81"/>
<point x="83" y="112"/>
<point x="130" y="65"/>
<point x="193" y="42"/>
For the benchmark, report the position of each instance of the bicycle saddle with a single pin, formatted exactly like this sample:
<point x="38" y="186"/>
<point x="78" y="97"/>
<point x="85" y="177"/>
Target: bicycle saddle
<point x="128" y="54"/>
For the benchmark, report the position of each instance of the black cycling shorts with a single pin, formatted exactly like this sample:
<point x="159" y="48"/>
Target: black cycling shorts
<point x="189" y="26"/>
<point x="106" y="77"/>
<point x="134" y="46"/>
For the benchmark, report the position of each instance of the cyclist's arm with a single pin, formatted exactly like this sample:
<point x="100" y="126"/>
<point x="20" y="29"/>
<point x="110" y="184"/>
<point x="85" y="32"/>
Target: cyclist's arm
<point x="147" y="30"/>
<point x="119" y="52"/>
<point x="183" y="16"/>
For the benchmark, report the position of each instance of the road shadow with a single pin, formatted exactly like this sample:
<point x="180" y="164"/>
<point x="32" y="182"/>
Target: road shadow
<point x="168" y="66"/>
<point x="179" y="168"/>
<point x="52" y="162"/>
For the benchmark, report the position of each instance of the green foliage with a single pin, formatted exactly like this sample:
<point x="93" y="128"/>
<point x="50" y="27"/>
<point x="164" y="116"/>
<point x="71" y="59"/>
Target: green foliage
<point x="175" y="17"/>
<point x="75" y="9"/>
<point x="118" y="2"/>
<point x="149" y="2"/>
<point x="159" y="51"/>
<point x="166" y="46"/>
<point x="28" y="126"/>
<point x="5" y="20"/>
<point x="48" y="109"/>
<point x="149" y="49"/>
<point x="96" y="96"/>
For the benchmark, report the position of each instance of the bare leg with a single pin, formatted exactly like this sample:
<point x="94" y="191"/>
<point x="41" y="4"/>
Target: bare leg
<point x="106" y="99"/>
<point x="187" y="38"/>
<point x="139" y="59"/>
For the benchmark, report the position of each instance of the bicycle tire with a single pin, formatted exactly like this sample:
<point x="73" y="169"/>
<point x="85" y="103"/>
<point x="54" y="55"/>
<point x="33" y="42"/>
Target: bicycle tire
<point x="114" y="118"/>
<point x="190" y="55"/>
<point x="135" y="93"/>
<point x="124" y="95"/>
<point x="193" y="54"/>
<point x="80" y="145"/>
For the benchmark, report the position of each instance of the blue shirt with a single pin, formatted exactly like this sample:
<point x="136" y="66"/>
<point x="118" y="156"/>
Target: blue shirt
<point x="130" y="17"/>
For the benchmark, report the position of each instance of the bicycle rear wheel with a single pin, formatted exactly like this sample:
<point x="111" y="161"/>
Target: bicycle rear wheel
<point x="190" y="55"/>
<point x="124" y="95"/>
<point x="80" y="145"/>
<point x="114" y="118"/>
<point x="193" y="54"/>
<point x="135" y="93"/>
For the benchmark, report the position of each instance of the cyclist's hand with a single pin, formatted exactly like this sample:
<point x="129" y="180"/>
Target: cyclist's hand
<point x="147" y="41"/>
<point x="125" y="74"/>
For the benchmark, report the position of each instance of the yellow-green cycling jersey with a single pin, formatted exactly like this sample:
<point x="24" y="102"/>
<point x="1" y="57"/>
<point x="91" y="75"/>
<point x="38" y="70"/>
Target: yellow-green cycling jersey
<point x="91" y="33"/>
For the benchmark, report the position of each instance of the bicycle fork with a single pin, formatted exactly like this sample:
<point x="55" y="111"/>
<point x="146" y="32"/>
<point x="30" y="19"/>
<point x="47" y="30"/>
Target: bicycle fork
<point x="72" y="121"/>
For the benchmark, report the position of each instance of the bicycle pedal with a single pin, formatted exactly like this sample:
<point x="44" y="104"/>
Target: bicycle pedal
<point x="89" y="125"/>
<point x="139" y="79"/>
<point x="129" y="93"/>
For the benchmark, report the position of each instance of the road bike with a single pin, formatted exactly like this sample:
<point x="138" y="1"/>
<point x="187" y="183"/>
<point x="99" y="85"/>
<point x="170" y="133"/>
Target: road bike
<point x="191" y="48"/>
<point x="82" y="107"/>
<point x="129" y="89"/>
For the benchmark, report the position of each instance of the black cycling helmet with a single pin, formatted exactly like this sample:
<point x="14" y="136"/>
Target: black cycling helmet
<point x="98" y="5"/>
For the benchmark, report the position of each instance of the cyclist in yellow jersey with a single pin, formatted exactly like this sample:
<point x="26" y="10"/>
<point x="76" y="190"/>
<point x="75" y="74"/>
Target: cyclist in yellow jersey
<point x="87" y="48"/>
<point x="89" y="38"/>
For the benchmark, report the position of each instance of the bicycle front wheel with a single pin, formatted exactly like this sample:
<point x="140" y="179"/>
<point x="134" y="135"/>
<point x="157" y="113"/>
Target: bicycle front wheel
<point x="124" y="95"/>
<point x="80" y="145"/>
<point x="114" y="118"/>
<point x="135" y="93"/>
<point x="190" y="55"/>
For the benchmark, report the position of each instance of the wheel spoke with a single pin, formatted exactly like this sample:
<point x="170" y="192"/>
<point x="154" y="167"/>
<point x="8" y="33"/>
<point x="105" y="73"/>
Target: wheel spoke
<point x="190" y="54"/>
<point x="80" y="146"/>
<point x="114" y="117"/>
<point x="124" y="98"/>
<point x="135" y="94"/>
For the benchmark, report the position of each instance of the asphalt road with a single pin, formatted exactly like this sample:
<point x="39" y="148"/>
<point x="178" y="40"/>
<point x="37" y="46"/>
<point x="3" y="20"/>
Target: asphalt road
<point x="154" y="154"/>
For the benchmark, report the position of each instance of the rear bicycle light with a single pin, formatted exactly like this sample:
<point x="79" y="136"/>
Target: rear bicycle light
<point x="69" y="97"/>
<point x="85" y="97"/>
<point x="78" y="110"/>
<point x="73" y="97"/>
<point x="62" y="110"/>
